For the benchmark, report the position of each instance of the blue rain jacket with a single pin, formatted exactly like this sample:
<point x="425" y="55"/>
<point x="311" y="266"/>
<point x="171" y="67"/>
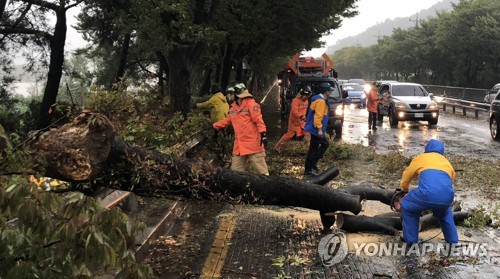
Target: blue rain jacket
<point x="435" y="176"/>
<point x="317" y="115"/>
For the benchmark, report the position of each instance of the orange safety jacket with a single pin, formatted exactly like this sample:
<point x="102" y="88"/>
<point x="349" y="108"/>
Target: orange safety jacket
<point x="248" y="124"/>
<point x="372" y="101"/>
<point x="297" y="118"/>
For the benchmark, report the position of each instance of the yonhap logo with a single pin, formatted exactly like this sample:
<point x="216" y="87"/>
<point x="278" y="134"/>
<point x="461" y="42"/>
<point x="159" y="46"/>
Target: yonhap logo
<point x="332" y="248"/>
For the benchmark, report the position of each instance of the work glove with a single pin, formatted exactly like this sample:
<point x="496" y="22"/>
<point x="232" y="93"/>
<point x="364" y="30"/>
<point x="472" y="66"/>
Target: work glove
<point x="320" y="134"/>
<point x="263" y="139"/>
<point x="303" y="118"/>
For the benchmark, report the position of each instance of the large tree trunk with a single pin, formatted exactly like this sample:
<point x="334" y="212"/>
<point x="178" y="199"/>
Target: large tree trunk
<point x="180" y="67"/>
<point x="226" y="64"/>
<point x="87" y="150"/>
<point x="164" y="72"/>
<point x="368" y="192"/>
<point x="120" y="72"/>
<point x="3" y="5"/>
<point x="207" y="81"/>
<point x="57" y="42"/>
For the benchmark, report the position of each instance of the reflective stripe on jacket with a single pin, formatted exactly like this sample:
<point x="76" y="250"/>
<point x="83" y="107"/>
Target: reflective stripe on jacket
<point x="248" y="124"/>
<point x="298" y="112"/>
<point x="317" y="116"/>
<point x="218" y="106"/>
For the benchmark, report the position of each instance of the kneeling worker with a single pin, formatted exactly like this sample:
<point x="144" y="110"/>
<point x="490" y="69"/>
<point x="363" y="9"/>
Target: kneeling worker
<point x="435" y="191"/>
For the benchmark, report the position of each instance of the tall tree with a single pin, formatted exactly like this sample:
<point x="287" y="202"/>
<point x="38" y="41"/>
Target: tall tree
<point x="30" y="21"/>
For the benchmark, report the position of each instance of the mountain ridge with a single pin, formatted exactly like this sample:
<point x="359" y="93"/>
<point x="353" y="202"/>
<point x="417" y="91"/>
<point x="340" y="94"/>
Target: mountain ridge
<point x="370" y="35"/>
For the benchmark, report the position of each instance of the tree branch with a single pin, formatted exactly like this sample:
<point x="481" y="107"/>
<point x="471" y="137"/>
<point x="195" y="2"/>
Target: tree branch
<point x="26" y="31"/>
<point x="73" y="5"/>
<point x="44" y="4"/>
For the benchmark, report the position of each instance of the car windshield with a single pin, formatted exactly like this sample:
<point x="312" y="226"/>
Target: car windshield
<point x="315" y="87"/>
<point x="358" y="81"/>
<point x="353" y="87"/>
<point x="408" y="90"/>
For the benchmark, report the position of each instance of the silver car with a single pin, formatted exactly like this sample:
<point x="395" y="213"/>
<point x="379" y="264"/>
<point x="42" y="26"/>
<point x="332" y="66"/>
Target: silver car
<point x="490" y="96"/>
<point x="404" y="101"/>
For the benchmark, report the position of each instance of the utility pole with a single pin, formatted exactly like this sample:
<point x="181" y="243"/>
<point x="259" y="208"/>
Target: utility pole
<point x="415" y="20"/>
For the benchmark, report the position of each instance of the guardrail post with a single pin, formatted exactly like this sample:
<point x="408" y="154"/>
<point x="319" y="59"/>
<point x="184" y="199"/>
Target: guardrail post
<point x="464" y="113"/>
<point x="453" y="108"/>
<point x="476" y="113"/>
<point x="444" y="106"/>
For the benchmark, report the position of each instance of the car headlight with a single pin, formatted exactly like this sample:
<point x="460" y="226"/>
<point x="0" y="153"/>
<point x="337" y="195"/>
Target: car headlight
<point x="339" y="110"/>
<point x="400" y="106"/>
<point x="438" y="99"/>
<point x="432" y="106"/>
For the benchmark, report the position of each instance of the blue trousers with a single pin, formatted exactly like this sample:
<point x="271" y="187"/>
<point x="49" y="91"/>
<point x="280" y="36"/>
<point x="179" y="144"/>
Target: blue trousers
<point x="412" y="207"/>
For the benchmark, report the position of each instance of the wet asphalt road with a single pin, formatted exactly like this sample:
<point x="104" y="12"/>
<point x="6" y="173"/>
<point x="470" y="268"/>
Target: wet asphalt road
<point x="463" y="135"/>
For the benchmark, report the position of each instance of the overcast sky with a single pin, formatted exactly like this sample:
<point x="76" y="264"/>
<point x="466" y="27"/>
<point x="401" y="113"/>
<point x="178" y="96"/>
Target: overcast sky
<point x="371" y="12"/>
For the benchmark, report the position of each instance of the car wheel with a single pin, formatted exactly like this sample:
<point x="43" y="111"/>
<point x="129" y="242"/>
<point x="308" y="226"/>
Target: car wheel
<point x="495" y="129"/>
<point x="392" y="118"/>
<point x="433" y="122"/>
<point x="380" y="117"/>
<point x="338" y="132"/>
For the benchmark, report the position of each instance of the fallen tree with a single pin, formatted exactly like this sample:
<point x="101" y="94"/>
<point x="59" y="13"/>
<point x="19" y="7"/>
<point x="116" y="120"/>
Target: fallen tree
<point x="87" y="150"/>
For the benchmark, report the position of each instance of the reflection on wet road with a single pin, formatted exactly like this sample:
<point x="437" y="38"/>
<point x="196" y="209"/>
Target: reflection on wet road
<point x="462" y="135"/>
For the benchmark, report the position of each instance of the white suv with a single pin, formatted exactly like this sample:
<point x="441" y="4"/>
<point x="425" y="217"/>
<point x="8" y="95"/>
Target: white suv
<point x="490" y="96"/>
<point x="404" y="101"/>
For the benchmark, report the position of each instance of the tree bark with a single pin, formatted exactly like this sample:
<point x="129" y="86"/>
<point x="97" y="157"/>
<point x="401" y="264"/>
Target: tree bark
<point x="207" y="81"/>
<point x="120" y="72"/>
<point x="164" y="70"/>
<point x="57" y="42"/>
<point x="368" y="192"/>
<point x="226" y="64"/>
<point x="3" y="5"/>
<point x="180" y="67"/>
<point x="351" y="223"/>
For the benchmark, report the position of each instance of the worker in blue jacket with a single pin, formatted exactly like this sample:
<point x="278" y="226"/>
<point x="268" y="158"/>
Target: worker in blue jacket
<point x="435" y="191"/>
<point x="316" y="123"/>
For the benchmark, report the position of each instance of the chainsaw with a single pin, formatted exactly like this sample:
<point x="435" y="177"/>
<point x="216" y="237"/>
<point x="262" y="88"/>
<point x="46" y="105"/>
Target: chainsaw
<point x="396" y="199"/>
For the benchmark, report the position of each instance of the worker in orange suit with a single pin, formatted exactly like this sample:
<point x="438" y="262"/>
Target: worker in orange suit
<point x="297" y="118"/>
<point x="372" y="101"/>
<point x="250" y="139"/>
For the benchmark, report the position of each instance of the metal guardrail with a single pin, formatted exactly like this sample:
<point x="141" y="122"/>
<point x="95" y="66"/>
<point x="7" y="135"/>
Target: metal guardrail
<point x="461" y="93"/>
<point x="462" y="98"/>
<point x="463" y="105"/>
